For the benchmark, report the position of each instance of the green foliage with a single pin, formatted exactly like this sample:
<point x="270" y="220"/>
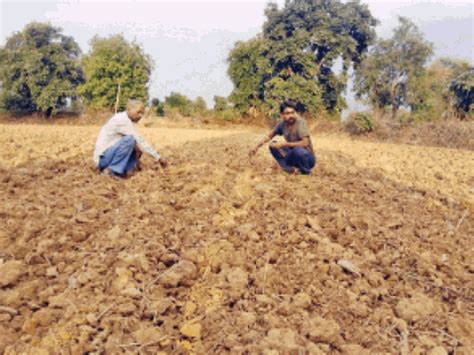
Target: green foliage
<point x="39" y="70"/>
<point x="307" y="37"/>
<point x="359" y="123"/>
<point x="389" y="76"/>
<point x="112" y="62"/>
<point x="158" y="107"/>
<point x="199" y="106"/>
<point x="297" y="51"/>
<point x="220" y="103"/>
<point x="278" y="89"/>
<point x="180" y="103"/>
<point x="228" y="114"/>
<point x="431" y="95"/>
<point x="223" y="109"/>
<point x="247" y="68"/>
<point x="463" y="89"/>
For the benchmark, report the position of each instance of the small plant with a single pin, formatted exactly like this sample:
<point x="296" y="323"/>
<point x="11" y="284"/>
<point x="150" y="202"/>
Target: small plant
<point x="359" y="123"/>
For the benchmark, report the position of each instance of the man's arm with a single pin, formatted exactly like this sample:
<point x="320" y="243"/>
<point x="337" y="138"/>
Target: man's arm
<point x="126" y="128"/>
<point x="146" y="148"/>
<point x="276" y="131"/>
<point x="303" y="143"/>
<point x="267" y="139"/>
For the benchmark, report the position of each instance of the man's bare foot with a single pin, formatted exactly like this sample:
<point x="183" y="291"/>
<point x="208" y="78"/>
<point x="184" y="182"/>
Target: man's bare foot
<point x="111" y="173"/>
<point x="291" y="171"/>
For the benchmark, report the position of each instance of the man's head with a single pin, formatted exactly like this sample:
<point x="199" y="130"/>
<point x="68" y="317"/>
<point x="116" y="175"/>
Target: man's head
<point x="289" y="111"/>
<point x="135" y="110"/>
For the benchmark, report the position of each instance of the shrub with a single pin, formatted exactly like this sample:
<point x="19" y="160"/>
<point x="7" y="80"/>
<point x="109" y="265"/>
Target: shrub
<point x="359" y="123"/>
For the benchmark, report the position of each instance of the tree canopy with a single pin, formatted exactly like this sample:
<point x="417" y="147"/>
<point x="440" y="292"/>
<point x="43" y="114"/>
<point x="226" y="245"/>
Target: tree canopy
<point x="199" y="105"/>
<point x="389" y="75"/>
<point x="112" y="62"/>
<point x="463" y="89"/>
<point x="39" y="70"/>
<point x="180" y="103"/>
<point x="296" y="55"/>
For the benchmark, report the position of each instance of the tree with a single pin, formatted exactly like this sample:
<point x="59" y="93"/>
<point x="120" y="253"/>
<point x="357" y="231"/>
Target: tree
<point x="248" y="69"/>
<point x="463" y="89"/>
<point x="39" y="70"/>
<point x="388" y="76"/>
<point x="220" y="104"/>
<point x="430" y="96"/>
<point x="299" y="47"/>
<point x="308" y="93"/>
<point x="180" y="103"/>
<point x="115" y="63"/>
<point x="158" y="107"/>
<point x="199" y="106"/>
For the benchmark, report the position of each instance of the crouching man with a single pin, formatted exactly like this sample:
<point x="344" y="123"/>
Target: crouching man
<point x="118" y="147"/>
<point x="296" y="154"/>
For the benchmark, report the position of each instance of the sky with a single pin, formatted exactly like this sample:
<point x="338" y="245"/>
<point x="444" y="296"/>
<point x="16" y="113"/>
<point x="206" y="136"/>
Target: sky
<point x="189" y="40"/>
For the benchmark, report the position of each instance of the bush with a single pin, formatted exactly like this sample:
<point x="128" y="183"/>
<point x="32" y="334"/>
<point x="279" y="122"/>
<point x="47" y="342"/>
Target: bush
<point x="178" y="102"/>
<point x="359" y="123"/>
<point x="173" y="113"/>
<point x="228" y="115"/>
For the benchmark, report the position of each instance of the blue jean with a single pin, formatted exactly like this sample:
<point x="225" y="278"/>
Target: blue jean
<point x="291" y="158"/>
<point x="120" y="158"/>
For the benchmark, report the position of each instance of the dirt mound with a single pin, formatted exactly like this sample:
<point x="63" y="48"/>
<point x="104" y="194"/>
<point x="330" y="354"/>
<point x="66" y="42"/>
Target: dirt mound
<point x="220" y="254"/>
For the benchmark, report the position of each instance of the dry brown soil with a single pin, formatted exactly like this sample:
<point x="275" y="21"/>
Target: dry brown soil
<point x="373" y="253"/>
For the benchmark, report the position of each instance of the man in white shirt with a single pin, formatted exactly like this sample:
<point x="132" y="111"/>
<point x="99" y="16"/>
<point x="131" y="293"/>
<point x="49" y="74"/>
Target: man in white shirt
<point x="118" y="147"/>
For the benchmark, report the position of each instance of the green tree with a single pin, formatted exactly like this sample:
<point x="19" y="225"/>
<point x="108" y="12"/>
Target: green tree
<point x="114" y="62"/>
<point x="39" y="70"/>
<point x="389" y="75"/>
<point x="307" y="37"/>
<point x="429" y="96"/>
<point x="462" y="87"/>
<point x="248" y="69"/>
<point x="199" y="106"/>
<point x="220" y="104"/>
<point x="180" y="103"/>
<point x="158" y="107"/>
<point x="297" y="54"/>
<point x="308" y="93"/>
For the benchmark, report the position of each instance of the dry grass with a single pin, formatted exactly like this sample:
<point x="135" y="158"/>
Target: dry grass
<point x="442" y="133"/>
<point x="450" y="133"/>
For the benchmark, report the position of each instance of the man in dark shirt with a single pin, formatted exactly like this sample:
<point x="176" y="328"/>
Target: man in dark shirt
<point x="297" y="152"/>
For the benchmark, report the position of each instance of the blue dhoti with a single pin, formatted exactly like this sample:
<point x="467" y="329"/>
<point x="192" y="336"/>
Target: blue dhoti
<point x="120" y="158"/>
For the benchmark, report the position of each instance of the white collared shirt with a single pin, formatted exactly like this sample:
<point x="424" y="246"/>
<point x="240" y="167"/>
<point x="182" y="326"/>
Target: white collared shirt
<point x="118" y="126"/>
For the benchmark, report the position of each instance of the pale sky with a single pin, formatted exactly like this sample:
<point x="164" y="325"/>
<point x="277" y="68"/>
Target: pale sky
<point x="189" y="40"/>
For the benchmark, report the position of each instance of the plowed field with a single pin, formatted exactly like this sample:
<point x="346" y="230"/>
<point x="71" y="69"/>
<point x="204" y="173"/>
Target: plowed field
<point x="372" y="253"/>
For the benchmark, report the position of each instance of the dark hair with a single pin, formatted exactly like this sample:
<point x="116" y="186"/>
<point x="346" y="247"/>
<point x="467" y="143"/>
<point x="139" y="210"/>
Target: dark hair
<point x="289" y="103"/>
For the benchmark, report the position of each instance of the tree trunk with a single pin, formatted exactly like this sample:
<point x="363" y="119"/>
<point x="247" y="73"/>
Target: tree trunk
<point x="393" y="98"/>
<point x="394" y="110"/>
<point x="378" y="113"/>
<point x="319" y="65"/>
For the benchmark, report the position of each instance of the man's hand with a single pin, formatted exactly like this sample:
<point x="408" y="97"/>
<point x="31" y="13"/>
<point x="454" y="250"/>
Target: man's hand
<point x="163" y="162"/>
<point x="253" y="151"/>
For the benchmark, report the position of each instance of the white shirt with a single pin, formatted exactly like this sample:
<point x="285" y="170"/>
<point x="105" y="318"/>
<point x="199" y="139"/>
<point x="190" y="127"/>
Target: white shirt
<point x="118" y="126"/>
